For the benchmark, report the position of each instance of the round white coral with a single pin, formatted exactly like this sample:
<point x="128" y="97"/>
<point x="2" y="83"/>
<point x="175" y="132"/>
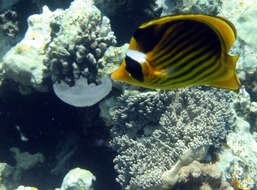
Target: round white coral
<point x="82" y="94"/>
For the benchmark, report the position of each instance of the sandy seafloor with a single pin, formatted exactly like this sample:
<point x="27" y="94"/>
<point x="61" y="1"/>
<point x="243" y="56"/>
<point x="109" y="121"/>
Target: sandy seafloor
<point x="128" y="137"/>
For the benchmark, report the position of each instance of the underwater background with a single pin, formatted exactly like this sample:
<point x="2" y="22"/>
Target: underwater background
<point x="64" y="124"/>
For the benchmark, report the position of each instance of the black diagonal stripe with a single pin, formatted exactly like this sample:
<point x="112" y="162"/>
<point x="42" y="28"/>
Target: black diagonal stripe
<point x="184" y="61"/>
<point x="207" y="67"/>
<point x="211" y="36"/>
<point x="186" y="45"/>
<point x="148" y="37"/>
<point x="176" y="33"/>
<point x="208" y="74"/>
<point x="188" y="26"/>
<point x="189" y="70"/>
<point x="182" y="25"/>
<point x="190" y="48"/>
<point x="208" y="70"/>
<point x="212" y="43"/>
<point x="194" y="58"/>
<point x="172" y="45"/>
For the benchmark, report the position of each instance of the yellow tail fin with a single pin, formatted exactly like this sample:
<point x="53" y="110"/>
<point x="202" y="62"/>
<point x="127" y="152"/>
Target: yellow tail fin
<point x="230" y="80"/>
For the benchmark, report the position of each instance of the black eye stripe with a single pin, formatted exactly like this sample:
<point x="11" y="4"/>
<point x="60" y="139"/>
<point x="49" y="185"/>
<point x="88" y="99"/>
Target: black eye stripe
<point x="134" y="68"/>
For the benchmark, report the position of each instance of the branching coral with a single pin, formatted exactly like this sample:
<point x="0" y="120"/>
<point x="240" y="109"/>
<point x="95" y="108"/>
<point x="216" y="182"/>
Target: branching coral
<point x="152" y="129"/>
<point x="76" y="49"/>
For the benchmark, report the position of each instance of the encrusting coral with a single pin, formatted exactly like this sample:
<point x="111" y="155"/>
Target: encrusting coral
<point x="198" y="176"/>
<point x="152" y="129"/>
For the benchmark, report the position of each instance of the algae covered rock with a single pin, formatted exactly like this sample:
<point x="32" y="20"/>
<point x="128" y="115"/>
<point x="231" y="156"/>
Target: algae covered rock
<point x="78" y="179"/>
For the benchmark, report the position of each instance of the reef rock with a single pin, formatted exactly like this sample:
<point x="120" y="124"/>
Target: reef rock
<point x="78" y="179"/>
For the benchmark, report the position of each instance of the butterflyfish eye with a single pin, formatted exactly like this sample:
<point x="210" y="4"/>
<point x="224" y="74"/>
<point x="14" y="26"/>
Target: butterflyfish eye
<point x="134" y="68"/>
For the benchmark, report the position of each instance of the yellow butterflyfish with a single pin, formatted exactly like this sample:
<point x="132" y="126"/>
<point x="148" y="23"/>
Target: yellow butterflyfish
<point x="181" y="50"/>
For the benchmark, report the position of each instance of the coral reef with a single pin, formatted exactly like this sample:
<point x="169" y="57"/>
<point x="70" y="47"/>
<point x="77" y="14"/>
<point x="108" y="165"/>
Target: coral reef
<point x="61" y="45"/>
<point x="238" y="162"/>
<point x="170" y="177"/>
<point x="112" y="58"/>
<point x="157" y="134"/>
<point x="86" y="41"/>
<point x="243" y="14"/>
<point x="247" y="109"/>
<point x="247" y="20"/>
<point x="151" y="130"/>
<point x="251" y="85"/>
<point x="24" y="62"/>
<point x="211" y="7"/>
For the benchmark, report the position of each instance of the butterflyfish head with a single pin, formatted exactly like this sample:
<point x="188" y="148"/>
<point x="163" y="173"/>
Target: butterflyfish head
<point x="132" y="68"/>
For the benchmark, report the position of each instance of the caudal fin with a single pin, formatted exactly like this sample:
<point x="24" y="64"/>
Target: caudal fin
<point x="230" y="80"/>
